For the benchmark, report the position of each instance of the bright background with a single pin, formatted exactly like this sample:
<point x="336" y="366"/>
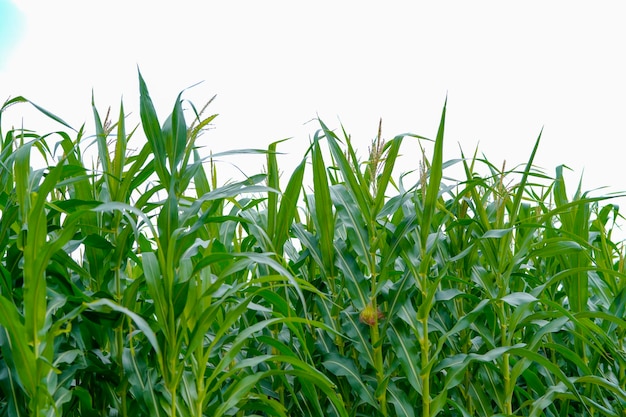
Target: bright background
<point x="508" y="70"/>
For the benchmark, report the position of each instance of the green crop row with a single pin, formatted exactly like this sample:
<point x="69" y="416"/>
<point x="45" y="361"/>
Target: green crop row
<point x="138" y="285"/>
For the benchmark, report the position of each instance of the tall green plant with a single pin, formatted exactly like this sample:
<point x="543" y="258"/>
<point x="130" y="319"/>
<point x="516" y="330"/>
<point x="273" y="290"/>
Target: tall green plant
<point x="138" y="284"/>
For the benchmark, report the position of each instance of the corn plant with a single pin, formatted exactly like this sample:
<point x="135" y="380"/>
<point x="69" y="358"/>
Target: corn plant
<point x="456" y="299"/>
<point x="134" y="282"/>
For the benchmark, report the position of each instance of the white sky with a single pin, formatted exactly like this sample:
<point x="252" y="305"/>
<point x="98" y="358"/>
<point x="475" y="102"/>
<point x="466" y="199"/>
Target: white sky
<point x="508" y="69"/>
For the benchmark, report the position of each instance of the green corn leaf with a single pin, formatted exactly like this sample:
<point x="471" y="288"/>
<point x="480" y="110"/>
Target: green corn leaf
<point x="354" y="280"/>
<point x="352" y="219"/>
<point x="323" y="209"/>
<point x="238" y="398"/>
<point x="358" y="189"/>
<point x="20" y="99"/>
<point x="497" y="233"/>
<point x="438" y="402"/>
<point x="518" y="298"/>
<point x="101" y="138"/>
<point x="613" y="387"/>
<point x="21" y="172"/>
<point x="273" y="181"/>
<point x="137" y="174"/>
<point x="406" y="349"/>
<point x="554" y="369"/>
<point x="36" y="256"/>
<point x="288" y="206"/>
<point x="322" y="383"/>
<point x="547" y="399"/>
<point x="168" y="221"/>
<point x="310" y="242"/>
<point x="399" y="399"/>
<point x="21" y="350"/>
<point x="174" y="133"/>
<point x="200" y="179"/>
<point x="152" y="129"/>
<point x="517" y="202"/>
<point x="105" y="304"/>
<point x="344" y="367"/>
<point x="155" y="285"/>
<point x="127" y="210"/>
<point x="434" y="182"/>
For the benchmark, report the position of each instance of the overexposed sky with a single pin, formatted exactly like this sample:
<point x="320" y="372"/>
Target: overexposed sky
<point x="508" y="69"/>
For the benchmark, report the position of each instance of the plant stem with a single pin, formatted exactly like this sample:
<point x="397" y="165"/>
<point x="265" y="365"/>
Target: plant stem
<point x="425" y="346"/>
<point x="374" y="330"/>
<point x="425" y="376"/>
<point x="506" y="371"/>
<point x="378" y="361"/>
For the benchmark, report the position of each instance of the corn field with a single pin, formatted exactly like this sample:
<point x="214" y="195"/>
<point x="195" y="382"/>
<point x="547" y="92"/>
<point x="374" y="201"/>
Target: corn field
<point x="138" y="284"/>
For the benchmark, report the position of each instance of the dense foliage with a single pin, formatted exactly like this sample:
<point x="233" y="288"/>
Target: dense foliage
<point x="140" y="286"/>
